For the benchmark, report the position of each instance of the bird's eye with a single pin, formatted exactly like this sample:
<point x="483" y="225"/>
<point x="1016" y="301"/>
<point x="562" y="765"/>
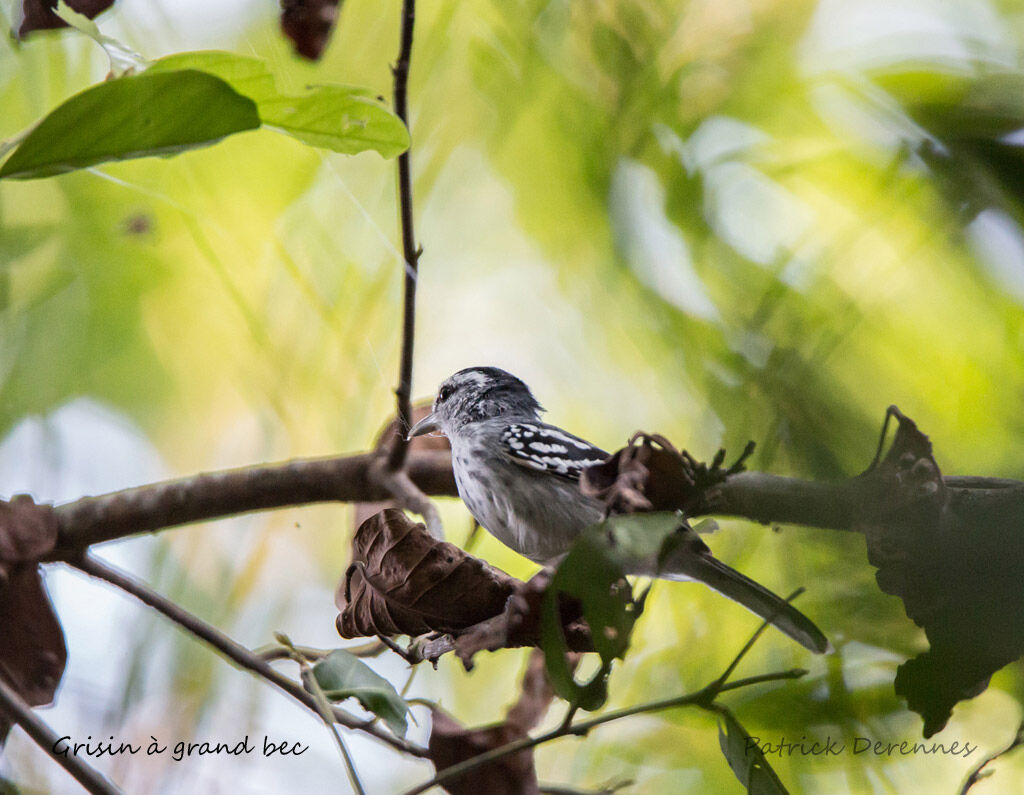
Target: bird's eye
<point x="445" y="393"/>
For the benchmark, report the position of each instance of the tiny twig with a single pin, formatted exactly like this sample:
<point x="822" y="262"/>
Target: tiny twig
<point x="890" y="412"/>
<point x="397" y="649"/>
<point x="408" y="495"/>
<point x="14" y="707"/>
<point x="231" y="649"/>
<point x="700" y="698"/>
<point x="275" y="651"/>
<point x="752" y="640"/>
<point x="325" y="710"/>
<point x="410" y="251"/>
<point x="608" y="789"/>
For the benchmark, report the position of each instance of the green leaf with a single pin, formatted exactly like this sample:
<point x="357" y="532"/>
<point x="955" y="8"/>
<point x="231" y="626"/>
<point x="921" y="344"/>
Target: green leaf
<point x="136" y="116"/>
<point x="339" y="118"/>
<point x="593" y="574"/>
<point x="342" y="675"/>
<point x="247" y="75"/>
<point x="746" y="759"/>
<point x="344" y="119"/>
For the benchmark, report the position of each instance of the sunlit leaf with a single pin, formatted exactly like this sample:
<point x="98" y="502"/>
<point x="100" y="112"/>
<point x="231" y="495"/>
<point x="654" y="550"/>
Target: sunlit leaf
<point x="344" y="119"/>
<point x="136" y="116"/>
<point x="247" y="75"/>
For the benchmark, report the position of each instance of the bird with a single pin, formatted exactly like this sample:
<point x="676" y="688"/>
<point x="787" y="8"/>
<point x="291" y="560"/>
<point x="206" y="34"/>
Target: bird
<point x="519" y="478"/>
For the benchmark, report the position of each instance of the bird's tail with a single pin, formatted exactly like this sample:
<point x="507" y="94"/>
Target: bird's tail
<point x="756" y="598"/>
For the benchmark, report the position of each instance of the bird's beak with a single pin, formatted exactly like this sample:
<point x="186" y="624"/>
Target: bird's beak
<point x="426" y="425"/>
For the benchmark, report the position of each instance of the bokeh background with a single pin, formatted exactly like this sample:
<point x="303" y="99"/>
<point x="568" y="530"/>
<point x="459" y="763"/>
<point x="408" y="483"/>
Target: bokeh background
<point x="719" y="220"/>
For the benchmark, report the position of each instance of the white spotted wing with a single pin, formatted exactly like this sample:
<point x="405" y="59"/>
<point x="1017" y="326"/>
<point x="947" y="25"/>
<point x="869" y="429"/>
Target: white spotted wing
<point x="550" y="449"/>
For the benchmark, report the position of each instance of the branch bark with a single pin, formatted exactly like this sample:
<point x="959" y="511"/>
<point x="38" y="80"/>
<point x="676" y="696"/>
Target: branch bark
<point x="847" y="504"/>
<point x="751" y="495"/>
<point x="211" y="495"/>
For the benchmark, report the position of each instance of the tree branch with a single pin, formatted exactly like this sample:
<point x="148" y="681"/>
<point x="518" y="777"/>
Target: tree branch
<point x="238" y="654"/>
<point x="396" y="458"/>
<point x="752" y="495"/>
<point x="212" y="495"/>
<point x="12" y="705"/>
<point x="767" y="498"/>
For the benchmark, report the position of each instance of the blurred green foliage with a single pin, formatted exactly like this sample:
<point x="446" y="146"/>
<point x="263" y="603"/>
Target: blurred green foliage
<point x="719" y="220"/>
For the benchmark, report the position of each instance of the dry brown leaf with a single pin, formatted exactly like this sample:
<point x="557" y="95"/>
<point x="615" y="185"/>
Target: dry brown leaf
<point x="402" y="581"/>
<point x="32" y="649"/>
<point x="650" y="474"/>
<point x="38" y="14"/>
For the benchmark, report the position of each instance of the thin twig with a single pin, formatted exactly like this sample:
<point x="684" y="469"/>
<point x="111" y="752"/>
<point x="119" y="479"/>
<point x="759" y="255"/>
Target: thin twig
<point x="275" y="651"/>
<point x="409" y="496"/>
<point x="608" y="789"/>
<point x="323" y="708"/>
<point x="233" y="650"/>
<point x="752" y="640"/>
<point x="14" y="707"/>
<point x="410" y="252"/>
<point x="700" y="698"/>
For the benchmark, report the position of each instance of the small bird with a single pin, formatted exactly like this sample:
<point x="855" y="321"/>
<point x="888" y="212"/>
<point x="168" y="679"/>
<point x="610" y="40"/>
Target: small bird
<point x="519" y="477"/>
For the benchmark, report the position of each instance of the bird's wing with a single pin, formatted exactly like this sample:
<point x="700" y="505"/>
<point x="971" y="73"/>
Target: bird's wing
<point x="545" y="448"/>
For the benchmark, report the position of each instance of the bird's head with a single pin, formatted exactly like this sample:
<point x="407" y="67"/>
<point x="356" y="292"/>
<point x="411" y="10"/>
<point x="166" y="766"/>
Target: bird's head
<point x="475" y="394"/>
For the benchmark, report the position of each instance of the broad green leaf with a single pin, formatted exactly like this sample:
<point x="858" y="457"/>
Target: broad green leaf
<point x="339" y="118"/>
<point x="746" y="759"/>
<point x="247" y="75"/>
<point x="344" y="119"/>
<point x="342" y="675"/>
<point x="135" y="116"/>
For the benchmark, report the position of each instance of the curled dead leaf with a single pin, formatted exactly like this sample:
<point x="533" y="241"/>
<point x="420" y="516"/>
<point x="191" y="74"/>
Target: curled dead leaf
<point x="402" y="581"/>
<point x="32" y="648"/>
<point x="650" y="474"/>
